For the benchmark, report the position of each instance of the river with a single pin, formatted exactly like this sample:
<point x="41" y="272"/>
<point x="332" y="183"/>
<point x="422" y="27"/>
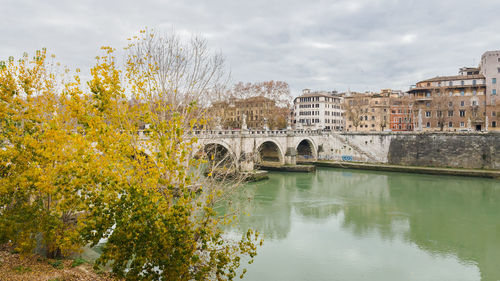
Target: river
<point x="339" y="224"/>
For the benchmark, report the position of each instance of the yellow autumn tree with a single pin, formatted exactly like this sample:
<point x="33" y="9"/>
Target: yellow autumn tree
<point x="77" y="161"/>
<point x="41" y="158"/>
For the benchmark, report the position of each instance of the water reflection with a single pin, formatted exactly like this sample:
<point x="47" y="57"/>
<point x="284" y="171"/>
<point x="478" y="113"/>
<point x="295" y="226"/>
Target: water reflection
<point x="444" y="216"/>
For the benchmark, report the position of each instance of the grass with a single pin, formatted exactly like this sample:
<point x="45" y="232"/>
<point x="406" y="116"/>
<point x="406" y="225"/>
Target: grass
<point x="57" y="264"/>
<point x="78" y="261"/>
<point x="22" y="269"/>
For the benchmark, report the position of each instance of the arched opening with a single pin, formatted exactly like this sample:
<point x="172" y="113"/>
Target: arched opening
<point x="269" y="153"/>
<point x="305" y="151"/>
<point x="219" y="162"/>
<point x="216" y="155"/>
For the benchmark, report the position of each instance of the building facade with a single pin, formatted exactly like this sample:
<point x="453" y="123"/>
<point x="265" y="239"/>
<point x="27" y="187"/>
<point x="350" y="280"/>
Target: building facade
<point x="318" y="111"/>
<point x="464" y="102"/>
<point x="258" y="113"/>
<point x="450" y="103"/>
<point x="401" y="114"/>
<point x="490" y="69"/>
<point x="367" y="112"/>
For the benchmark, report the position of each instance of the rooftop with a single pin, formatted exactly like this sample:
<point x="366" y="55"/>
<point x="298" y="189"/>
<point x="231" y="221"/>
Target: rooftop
<point x="454" y="77"/>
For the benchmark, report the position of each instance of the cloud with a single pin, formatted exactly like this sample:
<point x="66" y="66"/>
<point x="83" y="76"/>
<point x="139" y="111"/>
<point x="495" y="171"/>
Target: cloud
<point x="320" y="44"/>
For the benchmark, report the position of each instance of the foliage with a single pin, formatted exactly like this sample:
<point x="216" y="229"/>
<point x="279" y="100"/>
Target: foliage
<point x="22" y="269"/>
<point x="279" y="91"/>
<point x="77" y="262"/>
<point x="75" y="170"/>
<point x="40" y="159"/>
<point x="57" y="264"/>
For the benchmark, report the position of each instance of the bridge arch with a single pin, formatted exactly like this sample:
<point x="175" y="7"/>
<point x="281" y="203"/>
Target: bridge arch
<point x="270" y="152"/>
<point x="218" y="152"/>
<point x="306" y="149"/>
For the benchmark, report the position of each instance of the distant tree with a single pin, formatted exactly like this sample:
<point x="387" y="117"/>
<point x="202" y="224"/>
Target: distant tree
<point x="278" y="91"/>
<point x="442" y="103"/>
<point x="354" y="110"/>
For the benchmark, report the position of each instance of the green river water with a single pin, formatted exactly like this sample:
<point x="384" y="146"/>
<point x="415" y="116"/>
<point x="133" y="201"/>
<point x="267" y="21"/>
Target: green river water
<point x="359" y="225"/>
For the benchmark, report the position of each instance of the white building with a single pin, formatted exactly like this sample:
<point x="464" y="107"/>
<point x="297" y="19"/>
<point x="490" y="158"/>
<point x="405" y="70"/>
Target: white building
<point x="318" y="111"/>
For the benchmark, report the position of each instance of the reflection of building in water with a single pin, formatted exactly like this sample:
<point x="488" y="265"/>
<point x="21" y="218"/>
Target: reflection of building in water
<point x="441" y="215"/>
<point x="269" y="212"/>
<point x="460" y="218"/>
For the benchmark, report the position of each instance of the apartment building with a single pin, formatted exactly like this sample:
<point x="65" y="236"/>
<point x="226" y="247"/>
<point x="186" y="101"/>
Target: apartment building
<point x="259" y="113"/>
<point x="318" y="111"/>
<point x="464" y="102"/>
<point x="490" y="69"/>
<point x="401" y="114"/>
<point x="450" y="103"/>
<point x="367" y="112"/>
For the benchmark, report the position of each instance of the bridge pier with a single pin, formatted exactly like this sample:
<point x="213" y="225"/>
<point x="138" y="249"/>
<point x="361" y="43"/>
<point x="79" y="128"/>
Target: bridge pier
<point x="291" y="156"/>
<point x="246" y="162"/>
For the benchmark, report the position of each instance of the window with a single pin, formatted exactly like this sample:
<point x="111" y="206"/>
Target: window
<point x="493" y="80"/>
<point x="462" y="82"/>
<point x="462" y="103"/>
<point x="498" y="69"/>
<point x="462" y="113"/>
<point x="451" y="93"/>
<point x="462" y="93"/>
<point x="450" y="84"/>
<point x="474" y="103"/>
<point x="450" y="124"/>
<point x="494" y="91"/>
<point x="428" y="94"/>
<point x="474" y="82"/>
<point x="493" y="113"/>
<point x="450" y="113"/>
<point x="450" y="104"/>
<point x="427" y="114"/>
<point x="428" y="125"/>
<point x="428" y="104"/>
<point x="462" y="124"/>
<point x="494" y="124"/>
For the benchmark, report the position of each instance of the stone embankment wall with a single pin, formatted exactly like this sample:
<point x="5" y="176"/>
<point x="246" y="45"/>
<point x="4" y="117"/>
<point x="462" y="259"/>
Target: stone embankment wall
<point x="459" y="150"/>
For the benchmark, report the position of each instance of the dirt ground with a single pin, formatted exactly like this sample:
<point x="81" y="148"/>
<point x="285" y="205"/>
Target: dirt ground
<point x="35" y="268"/>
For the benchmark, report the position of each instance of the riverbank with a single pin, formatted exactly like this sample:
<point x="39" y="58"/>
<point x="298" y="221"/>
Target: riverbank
<point x="411" y="169"/>
<point x="14" y="267"/>
<point x="302" y="168"/>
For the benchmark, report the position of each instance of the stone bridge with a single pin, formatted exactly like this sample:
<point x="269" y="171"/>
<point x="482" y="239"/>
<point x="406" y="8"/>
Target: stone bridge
<point x="281" y="147"/>
<point x="247" y="148"/>
<point x="266" y="147"/>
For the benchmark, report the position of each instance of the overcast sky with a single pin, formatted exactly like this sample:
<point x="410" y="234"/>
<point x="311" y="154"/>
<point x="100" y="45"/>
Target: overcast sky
<point x="323" y="45"/>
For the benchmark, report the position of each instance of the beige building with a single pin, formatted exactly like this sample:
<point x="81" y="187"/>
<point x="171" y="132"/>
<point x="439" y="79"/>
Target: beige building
<point x="464" y="102"/>
<point x="367" y="112"/>
<point x="259" y="113"/>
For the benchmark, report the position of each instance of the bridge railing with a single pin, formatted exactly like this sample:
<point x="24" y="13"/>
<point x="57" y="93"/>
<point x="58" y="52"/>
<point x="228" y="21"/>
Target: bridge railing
<point x="220" y="133"/>
<point x="247" y="133"/>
